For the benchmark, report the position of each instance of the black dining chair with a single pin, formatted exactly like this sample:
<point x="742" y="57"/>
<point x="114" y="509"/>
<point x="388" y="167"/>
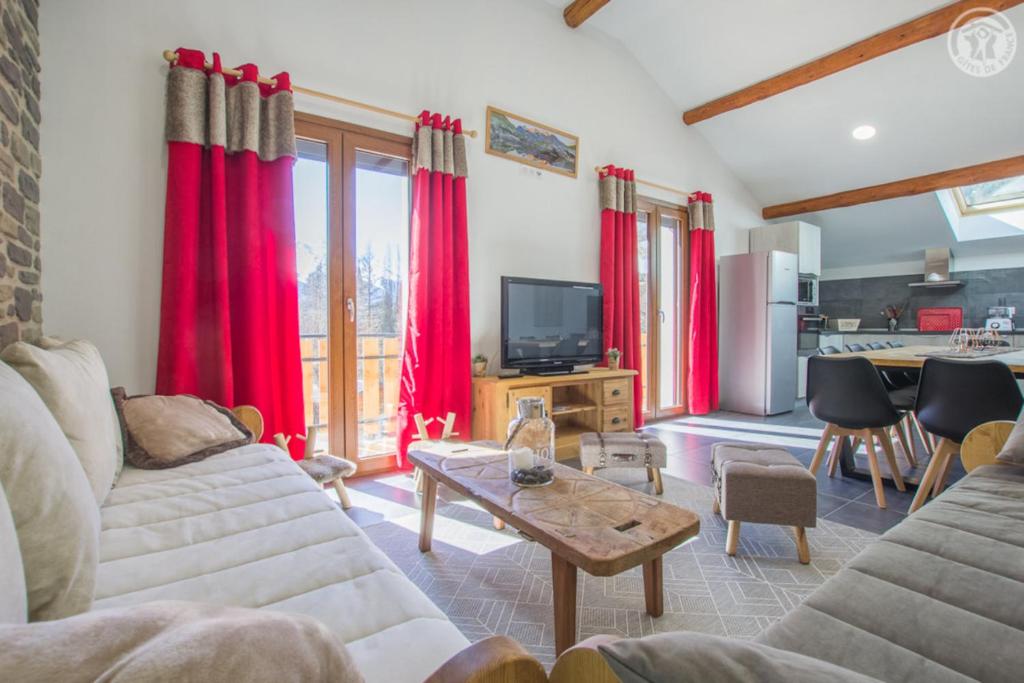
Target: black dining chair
<point x="855" y="348"/>
<point x="954" y="397"/>
<point x="847" y="394"/>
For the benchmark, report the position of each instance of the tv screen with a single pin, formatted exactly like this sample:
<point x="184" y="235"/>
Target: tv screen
<point x="548" y="323"/>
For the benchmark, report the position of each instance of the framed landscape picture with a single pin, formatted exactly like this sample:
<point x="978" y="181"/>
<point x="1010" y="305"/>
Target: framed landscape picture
<point x="528" y="142"/>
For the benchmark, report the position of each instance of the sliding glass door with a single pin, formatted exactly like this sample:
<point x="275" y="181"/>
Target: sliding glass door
<point x="661" y="255"/>
<point x="352" y="200"/>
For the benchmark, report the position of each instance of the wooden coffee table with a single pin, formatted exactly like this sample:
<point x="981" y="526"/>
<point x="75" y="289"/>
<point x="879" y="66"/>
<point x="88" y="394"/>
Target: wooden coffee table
<point x="587" y="523"/>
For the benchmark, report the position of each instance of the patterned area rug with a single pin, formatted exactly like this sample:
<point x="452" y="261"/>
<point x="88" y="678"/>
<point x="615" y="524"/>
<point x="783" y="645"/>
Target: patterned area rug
<point x="490" y="582"/>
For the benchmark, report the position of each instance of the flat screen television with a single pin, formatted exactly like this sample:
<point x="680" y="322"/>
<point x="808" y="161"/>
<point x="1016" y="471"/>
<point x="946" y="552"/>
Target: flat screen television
<point x="550" y="326"/>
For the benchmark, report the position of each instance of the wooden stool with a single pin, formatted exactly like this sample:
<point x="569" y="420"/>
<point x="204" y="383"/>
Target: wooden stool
<point x="763" y="484"/>
<point x="322" y="468"/>
<point x="329" y="469"/>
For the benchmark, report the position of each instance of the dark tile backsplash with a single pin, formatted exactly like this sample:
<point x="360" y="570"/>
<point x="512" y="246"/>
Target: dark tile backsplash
<point x="865" y="298"/>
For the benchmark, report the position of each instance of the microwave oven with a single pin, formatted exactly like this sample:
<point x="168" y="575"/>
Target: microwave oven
<point x="807" y="290"/>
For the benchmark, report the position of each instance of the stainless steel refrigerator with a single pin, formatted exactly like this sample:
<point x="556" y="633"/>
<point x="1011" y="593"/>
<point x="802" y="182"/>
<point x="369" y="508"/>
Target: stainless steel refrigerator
<point x="757" y="327"/>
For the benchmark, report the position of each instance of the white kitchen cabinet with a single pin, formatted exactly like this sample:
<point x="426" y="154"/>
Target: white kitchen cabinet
<point x="801" y="377"/>
<point x="796" y="237"/>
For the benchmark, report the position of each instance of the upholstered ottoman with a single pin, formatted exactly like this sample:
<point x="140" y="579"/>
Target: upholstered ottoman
<point x="766" y="485"/>
<point x="623" y="449"/>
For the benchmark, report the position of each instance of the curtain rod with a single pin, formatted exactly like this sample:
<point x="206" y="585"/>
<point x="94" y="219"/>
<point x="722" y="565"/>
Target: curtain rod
<point x="172" y="57"/>
<point x="600" y="171"/>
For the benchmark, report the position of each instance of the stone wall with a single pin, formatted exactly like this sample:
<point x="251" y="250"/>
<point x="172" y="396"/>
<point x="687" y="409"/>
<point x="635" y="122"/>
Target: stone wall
<point x="20" y="171"/>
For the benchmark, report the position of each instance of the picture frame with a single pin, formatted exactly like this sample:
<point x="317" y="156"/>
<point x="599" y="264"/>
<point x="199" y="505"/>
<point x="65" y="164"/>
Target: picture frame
<point x="530" y="142"/>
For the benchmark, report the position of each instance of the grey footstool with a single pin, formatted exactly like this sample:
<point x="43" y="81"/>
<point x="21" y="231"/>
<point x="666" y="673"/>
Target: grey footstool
<point x="623" y="449"/>
<point x="763" y="484"/>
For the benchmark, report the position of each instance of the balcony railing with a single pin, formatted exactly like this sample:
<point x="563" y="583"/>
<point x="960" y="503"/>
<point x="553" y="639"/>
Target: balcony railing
<point x="378" y="368"/>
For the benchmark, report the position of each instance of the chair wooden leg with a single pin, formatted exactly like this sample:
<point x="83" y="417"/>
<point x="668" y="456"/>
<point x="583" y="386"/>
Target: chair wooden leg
<point x="855" y="444"/>
<point x="876" y="473"/>
<point x="940" y="481"/>
<point x="931" y="473"/>
<point x="901" y="435"/>
<point x="656" y="474"/>
<point x="837" y="452"/>
<point x="803" y="551"/>
<point x="732" y="537"/>
<point x="926" y="441"/>
<point x="890" y="456"/>
<point x="339" y="486"/>
<point x="819" y="453"/>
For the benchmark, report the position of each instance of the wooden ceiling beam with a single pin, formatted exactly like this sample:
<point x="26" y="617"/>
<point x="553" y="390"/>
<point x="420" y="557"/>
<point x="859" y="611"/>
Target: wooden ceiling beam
<point x="581" y="10"/>
<point x="922" y="28"/>
<point x="944" y="180"/>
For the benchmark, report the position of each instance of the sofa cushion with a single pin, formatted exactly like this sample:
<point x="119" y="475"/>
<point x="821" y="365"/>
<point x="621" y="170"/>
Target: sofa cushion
<point x="940" y="597"/>
<point x="169" y="431"/>
<point x="175" y="641"/>
<point x="52" y="505"/>
<point x="13" y="605"/>
<point x="687" y="656"/>
<point x="71" y="379"/>
<point x="248" y="528"/>
<point x="1013" y="450"/>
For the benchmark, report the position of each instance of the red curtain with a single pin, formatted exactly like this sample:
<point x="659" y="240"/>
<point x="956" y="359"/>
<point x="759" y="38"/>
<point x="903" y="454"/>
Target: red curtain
<point x="436" y="363"/>
<point x="702" y="379"/>
<point x="619" y="277"/>
<point x="229" y="323"/>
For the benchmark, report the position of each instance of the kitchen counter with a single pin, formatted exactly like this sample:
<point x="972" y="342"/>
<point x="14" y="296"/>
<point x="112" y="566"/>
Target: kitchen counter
<point x="905" y="330"/>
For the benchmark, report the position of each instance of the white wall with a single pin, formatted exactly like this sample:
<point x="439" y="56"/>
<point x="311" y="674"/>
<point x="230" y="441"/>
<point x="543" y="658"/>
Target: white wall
<point x="104" y="160"/>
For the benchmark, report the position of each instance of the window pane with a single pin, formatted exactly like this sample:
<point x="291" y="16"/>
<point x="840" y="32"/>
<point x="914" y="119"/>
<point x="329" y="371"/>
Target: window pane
<point x="643" y="270"/>
<point x="670" y="316"/>
<point x="382" y="258"/>
<point x="310" y="180"/>
<point x="1007" y="189"/>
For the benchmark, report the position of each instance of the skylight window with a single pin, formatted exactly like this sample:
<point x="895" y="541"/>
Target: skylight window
<point x="994" y="196"/>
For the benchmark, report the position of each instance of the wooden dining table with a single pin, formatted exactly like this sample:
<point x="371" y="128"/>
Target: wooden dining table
<point x="909" y="358"/>
<point x="914" y="357"/>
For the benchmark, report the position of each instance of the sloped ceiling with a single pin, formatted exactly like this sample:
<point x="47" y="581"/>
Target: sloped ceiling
<point x="930" y="116"/>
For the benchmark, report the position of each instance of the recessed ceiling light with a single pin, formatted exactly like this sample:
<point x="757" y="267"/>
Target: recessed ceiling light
<point x="864" y="132"/>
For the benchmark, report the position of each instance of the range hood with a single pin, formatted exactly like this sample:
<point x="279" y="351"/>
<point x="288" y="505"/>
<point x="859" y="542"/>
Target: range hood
<point x="937" y="263"/>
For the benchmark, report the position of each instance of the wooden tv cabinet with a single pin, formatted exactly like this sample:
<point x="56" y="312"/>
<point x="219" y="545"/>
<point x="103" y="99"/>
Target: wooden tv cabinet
<point x="596" y="401"/>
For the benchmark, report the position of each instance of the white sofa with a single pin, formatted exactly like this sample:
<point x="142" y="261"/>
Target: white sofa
<point x="249" y="528"/>
<point x="244" y="528"/>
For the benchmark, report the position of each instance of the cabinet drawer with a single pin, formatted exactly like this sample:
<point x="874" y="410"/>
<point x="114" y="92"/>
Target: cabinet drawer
<point x="616" y="419"/>
<point x="618" y="390"/>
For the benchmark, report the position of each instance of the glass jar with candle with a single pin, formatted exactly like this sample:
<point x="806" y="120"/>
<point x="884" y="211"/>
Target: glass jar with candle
<point x="531" y="444"/>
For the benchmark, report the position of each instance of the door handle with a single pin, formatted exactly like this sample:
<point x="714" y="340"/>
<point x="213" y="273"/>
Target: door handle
<point x="661" y="315"/>
<point x="351" y="306"/>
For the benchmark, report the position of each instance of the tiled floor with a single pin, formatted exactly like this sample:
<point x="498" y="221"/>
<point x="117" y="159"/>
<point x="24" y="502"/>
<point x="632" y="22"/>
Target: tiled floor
<point x="689" y="440"/>
<point x="844" y="500"/>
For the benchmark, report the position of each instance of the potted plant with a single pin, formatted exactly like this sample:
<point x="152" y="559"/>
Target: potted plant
<point x="479" y="365"/>
<point x="613" y="358"/>
<point x="892" y="314"/>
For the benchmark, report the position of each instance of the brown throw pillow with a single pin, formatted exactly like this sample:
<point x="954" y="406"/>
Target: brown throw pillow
<point x="168" y="431"/>
<point x="1013" y="449"/>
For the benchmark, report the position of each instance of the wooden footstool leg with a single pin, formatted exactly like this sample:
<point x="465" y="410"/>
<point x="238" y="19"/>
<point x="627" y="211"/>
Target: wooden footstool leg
<point x="654" y="474"/>
<point x="732" y="538"/>
<point x="563" y="581"/>
<point x="654" y="593"/>
<point x="588" y="470"/>
<point x="803" y="551"/>
<point x="716" y="507"/>
<point x="339" y="486"/>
